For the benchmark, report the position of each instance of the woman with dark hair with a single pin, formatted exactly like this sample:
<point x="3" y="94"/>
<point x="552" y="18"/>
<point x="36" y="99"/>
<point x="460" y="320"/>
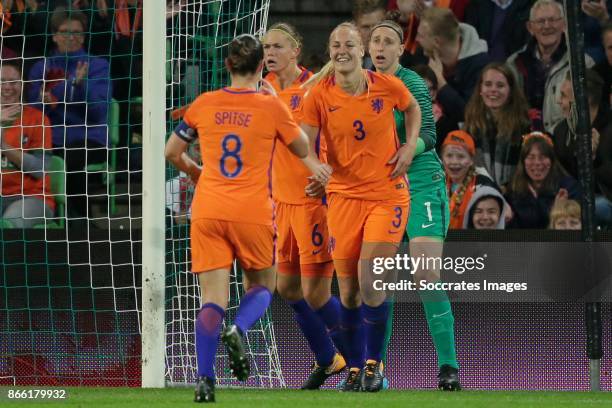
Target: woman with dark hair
<point x="486" y="210"/>
<point x="538" y="181"/>
<point x="429" y="213"/>
<point x="496" y="116"/>
<point x="237" y="128"/>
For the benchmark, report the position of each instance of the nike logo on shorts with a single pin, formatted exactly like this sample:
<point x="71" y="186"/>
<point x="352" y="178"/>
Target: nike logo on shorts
<point x="392" y="232"/>
<point x="334" y="108"/>
<point x="316" y="251"/>
<point x="427" y="225"/>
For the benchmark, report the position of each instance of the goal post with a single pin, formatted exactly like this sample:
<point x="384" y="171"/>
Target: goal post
<point x="184" y="49"/>
<point x="153" y="195"/>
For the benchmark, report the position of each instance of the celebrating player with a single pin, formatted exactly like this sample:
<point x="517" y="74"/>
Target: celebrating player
<point x="368" y="193"/>
<point x="305" y="268"/>
<point x="237" y="128"/>
<point x="429" y="210"/>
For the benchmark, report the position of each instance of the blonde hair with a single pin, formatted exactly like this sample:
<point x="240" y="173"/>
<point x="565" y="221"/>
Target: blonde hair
<point x="327" y="71"/>
<point x="289" y="31"/>
<point x="563" y="209"/>
<point x="442" y="23"/>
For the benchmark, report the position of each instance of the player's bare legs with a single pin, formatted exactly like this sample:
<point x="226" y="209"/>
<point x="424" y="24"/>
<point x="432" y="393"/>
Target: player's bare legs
<point x="259" y="285"/>
<point x="289" y="287"/>
<point x="438" y="313"/>
<point x="317" y="291"/>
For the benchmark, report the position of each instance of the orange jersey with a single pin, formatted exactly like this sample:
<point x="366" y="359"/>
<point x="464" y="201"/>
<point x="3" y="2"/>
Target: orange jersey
<point x="360" y="135"/>
<point x="237" y="129"/>
<point x="289" y="175"/>
<point x="30" y="132"/>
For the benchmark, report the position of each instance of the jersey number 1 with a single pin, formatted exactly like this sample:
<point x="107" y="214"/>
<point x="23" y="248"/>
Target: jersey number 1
<point x="233" y="154"/>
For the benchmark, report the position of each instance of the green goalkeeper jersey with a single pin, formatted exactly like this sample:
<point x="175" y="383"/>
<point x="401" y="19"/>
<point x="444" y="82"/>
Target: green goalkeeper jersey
<point x="426" y="170"/>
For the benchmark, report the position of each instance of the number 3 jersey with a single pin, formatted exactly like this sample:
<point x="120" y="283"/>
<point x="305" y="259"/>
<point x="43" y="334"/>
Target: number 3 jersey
<point x="360" y="135"/>
<point x="237" y="129"/>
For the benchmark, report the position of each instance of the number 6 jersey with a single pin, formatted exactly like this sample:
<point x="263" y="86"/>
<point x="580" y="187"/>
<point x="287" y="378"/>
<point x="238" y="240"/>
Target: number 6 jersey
<point x="237" y="129"/>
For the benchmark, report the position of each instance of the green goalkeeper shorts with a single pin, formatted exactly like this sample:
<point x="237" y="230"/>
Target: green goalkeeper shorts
<point x="429" y="212"/>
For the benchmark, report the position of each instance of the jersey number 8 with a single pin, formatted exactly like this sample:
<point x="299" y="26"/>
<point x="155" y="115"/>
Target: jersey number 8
<point x="233" y="154"/>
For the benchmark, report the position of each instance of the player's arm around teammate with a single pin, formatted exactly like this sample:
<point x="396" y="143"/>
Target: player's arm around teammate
<point x="237" y="128"/>
<point x="429" y="210"/>
<point x="304" y="265"/>
<point x="368" y="195"/>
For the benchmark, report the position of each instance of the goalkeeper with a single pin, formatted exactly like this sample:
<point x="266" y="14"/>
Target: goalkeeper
<point x="429" y="213"/>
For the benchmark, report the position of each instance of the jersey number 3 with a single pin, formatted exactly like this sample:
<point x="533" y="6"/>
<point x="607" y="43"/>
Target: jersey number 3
<point x="361" y="133"/>
<point x="231" y="145"/>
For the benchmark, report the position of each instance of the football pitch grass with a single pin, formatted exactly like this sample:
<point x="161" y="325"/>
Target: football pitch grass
<point x="179" y="397"/>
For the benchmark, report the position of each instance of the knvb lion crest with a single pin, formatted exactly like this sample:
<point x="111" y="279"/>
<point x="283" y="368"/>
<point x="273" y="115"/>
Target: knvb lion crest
<point x="295" y="102"/>
<point x="377" y="105"/>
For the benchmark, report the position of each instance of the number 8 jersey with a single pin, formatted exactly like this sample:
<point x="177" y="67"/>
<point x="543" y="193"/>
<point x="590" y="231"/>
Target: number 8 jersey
<point x="237" y="129"/>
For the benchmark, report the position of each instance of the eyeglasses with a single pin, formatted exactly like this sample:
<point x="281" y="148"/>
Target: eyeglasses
<point x="68" y="33"/>
<point x="540" y="22"/>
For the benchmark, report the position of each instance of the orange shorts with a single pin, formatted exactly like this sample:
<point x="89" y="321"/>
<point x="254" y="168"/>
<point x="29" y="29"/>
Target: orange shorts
<point x="353" y="222"/>
<point x="302" y="239"/>
<point x="216" y="243"/>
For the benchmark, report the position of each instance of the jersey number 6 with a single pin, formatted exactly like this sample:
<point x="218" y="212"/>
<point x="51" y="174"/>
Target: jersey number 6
<point x="233" y="153"/>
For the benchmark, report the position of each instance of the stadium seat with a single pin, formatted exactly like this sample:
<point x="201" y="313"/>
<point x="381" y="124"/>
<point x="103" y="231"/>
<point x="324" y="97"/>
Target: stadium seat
<point x="109" y="169"/>
<point x="5" y="223"/>
<point x="57" y="173"/>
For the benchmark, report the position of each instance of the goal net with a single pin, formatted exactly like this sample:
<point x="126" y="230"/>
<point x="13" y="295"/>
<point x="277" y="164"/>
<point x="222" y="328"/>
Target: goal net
<point x="196" y="48"/>
<point x="71" y="274"/>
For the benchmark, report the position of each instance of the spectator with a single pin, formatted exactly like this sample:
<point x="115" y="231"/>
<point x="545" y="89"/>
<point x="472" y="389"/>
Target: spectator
<point x="604" y="68"/>
<point x="540" y="66"/>
<point x="314" y="62"/>
<point x="486" y="210"/>
<point x="565" y="215"/>
<point x="462" y="177"/>
<point x="444" y="124"/>
<point x="501" y="23"/>
<point x="368" y="13"/>
<point x="456" y="55"/>
<point x="406" y="7"/>
<point x="539" y="180"/>
<point x="497" y="117"/>
<point x="75" y="90"/>
<point x="566" y="146"/>
<point x="407" y="13"/>
<point x="596" y="16"/>
<point x="24" y="137"/>
<point x="24" y="24"/>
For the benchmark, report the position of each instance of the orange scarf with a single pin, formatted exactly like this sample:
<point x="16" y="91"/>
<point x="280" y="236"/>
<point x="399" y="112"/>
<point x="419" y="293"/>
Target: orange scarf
<point x="123" y="26"/>
<point x="458" y="205"/>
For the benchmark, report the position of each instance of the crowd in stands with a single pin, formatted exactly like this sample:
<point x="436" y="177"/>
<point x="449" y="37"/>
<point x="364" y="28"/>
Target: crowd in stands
<point x="497" y="72"/>
<point x="72" y="57"/>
